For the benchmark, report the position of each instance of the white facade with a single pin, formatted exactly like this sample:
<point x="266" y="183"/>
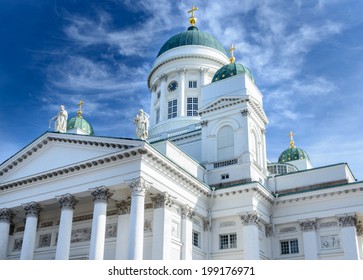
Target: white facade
<point x="199" y="188"/>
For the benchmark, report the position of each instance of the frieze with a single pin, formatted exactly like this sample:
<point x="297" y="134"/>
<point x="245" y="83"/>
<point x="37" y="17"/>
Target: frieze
<point x="18" y="244"/>
<point x="67" y="201"/>
<point x="348" y="220"/>
<point x="187" y="212"/>
<point x="111" y="231"/>
<point x="32" y="209"/>
<point x="83" y="218"/>
<point x="6" y="215"/>
<point x="288" y="229"/>
<point x="123" y="207"/>
<point x="81" y="235"/>
<point x="308" y="225"/>
<point x="139" y="186"/>
<point x="328" y="224"/>
<point x="44" y="240"/>
<point x="46" y="224"/>
<point x="330" y="241"/>
<point x="162" y="200"/>
<point x="101" y="194"/>
<point x="148" y="226"/>
<point x="227" y="224"/>
<point x="250" y="218"/>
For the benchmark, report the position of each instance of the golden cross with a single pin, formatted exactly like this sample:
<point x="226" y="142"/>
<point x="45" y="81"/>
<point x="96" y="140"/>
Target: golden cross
<point x="192" y="10"/>
<point x="292" y="143"/>
<point x="79" y="113"/>
<point x="231" y="51"/>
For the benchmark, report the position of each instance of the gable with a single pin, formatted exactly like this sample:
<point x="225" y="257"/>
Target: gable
<point x="53" y="151"/>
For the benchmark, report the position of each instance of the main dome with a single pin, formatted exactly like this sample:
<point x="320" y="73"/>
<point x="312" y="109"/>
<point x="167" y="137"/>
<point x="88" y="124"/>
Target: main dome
<point x="230" y="70"/>
<point x="192" y="37"/>
<point x="293" y="153"/>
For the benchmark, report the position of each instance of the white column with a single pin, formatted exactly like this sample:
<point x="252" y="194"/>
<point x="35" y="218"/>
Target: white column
<point x="163" y="101"/>
<point x="181" y="97"/>
<point x="6" y="216"/>
<point x="203" y="73"/>
<point x="123" y="225"/>
<point x="161" y="227"/>
<point x="101" y="196"/>
<point x="308" y="228"/>
<point x="138" y="187"/>
<point x="187" y="232"/>
<point x="32" y="210"/>
<point x="349" y="236"/>
<point x="251" y="243"/>
<point x="67" y="203"/>
<point x="152" y="108"/>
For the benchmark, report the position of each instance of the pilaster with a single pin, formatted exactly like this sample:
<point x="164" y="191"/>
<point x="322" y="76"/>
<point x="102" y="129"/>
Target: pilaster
<point x="251" y="243"/>
<point x="187" y="215"/>
<point x="347" y="223"/>
<point x="308" y="228"/>
<point x="181" y="97"/>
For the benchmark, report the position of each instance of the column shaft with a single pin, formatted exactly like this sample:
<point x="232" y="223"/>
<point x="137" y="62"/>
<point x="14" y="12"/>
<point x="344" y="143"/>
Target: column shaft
<point x="163" y="103"/>
<point x="187" y="233"/>
<point x="123" y="229"/>
<point x="5" y="220"/>
<point x="181" y="99"/>
<point x="251" y="242"/>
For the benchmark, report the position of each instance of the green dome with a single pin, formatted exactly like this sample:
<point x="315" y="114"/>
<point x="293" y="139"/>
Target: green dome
<point x="293" y="153"/>
<point x="230" y="70"/>
<point x="80" y="123"/>
<point x="192" y="37"/>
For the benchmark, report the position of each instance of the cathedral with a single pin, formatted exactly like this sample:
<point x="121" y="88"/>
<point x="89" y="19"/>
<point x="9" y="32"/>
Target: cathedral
<point x="194" y="184"/>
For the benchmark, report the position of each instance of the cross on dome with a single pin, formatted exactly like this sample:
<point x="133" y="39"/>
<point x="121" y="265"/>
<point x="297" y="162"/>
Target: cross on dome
<point x="232" y="48"/>
<point x="193" y="19"/>
<point x="79" y="112"/>
<point x="292" y="143"/>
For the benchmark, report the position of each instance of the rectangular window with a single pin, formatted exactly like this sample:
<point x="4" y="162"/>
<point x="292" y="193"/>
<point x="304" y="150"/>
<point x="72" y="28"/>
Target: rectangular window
<point x="192" y="106"/>
<point x="225" y="176"/>
<point x="157" y="115"/>
<point x="193" y="84"/>
<point x="172" y="109"/>
<point x="227" y="241"/>
<point x="196" y="239"/>
<point x="289" y="247"/>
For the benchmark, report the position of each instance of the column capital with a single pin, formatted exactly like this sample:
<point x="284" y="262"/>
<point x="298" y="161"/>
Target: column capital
<point x="347" y="220"/>
<point x="153" y="88"/>
<point x="269" y="229"/>
<point x="163" y="77"/>
<point x="307" y="225"/>
<point x="6" y="215"/>
<point x="124" y="207"/>
<point x="359" y="227"/>
<point x="32" y="209"/>
<point x="139" y="186"/>
<point x="187" y="212"/>
<point x="203" y="70"/>
<point x="101" y="194"/>
<point x="245" y="112"/>
<point x="204" y="123"/>
<point x="250" y="218"/>
<point x="182" y="71"/>
<point x="162" y="200"/>
<point x="67" y="201"/>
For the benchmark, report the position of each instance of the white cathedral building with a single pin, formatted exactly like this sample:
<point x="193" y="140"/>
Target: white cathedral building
<point x="196" y="184"/>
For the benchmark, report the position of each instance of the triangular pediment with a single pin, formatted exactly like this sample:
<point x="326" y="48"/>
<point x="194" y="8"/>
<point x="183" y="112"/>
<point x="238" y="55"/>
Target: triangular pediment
<point x="222" y="102"/>
<point x="55" y="150"/>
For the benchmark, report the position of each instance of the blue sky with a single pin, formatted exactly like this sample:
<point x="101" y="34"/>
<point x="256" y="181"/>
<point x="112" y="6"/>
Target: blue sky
<point x="306" y="57"/>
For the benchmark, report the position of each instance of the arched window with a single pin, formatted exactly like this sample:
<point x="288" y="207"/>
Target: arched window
<point x="225" y="143"/>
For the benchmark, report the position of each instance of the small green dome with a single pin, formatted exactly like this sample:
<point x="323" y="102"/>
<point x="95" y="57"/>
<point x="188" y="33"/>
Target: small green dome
<point x="293" y="153"/>
<point x="192" y="37"/>
<point x="230" y="70"/>
<point x="80" y="123"/>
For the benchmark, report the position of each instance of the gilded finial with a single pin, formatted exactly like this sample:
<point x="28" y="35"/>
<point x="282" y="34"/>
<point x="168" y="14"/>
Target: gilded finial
<point x="232" y="59"/>
<point x="79" y="112"/>
<point x="292" y="143"/>
<point x="193" y="19"/>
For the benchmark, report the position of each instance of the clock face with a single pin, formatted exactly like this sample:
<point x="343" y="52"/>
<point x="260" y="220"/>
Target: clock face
<point x="173" y="85"/>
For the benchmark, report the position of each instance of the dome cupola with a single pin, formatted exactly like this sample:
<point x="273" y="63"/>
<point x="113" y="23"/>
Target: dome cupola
<point x="78" y="124"/>
<point x="293" y="153"/>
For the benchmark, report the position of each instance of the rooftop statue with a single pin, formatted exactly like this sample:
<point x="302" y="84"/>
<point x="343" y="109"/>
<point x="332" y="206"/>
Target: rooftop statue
<point x="60" y="124"/>
<point x="142" y="125"/>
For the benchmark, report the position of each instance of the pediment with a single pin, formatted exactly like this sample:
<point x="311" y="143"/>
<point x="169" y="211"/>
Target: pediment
<point x="222" y="103"/>
<point x="55" y="150"/>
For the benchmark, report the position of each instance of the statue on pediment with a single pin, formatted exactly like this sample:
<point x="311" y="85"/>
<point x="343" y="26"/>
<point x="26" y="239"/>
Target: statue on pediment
<point x="142" y="125"/>
<point x="61" y="118"/>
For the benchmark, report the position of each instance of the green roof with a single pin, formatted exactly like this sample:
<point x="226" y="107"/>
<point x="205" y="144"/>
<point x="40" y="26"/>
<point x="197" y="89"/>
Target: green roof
<point x="81" y="123"/>
<point x="293" y="153"/>
<point x="192" y="37"/>
<point x="230" y="70"/>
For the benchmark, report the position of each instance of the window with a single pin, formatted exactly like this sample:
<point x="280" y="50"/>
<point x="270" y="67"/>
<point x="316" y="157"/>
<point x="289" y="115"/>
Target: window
<point x="172" y="108"/>
<point x="196" y="239"/>
<point x="228" y="241"/>
<point x="158" y="94"/>
<point x="289" y="247"/>
<point x="225" y="176"/>
<point x="225" y="143"/>
<point x="192" y="106"/>
<point x="193" y="84"/>
<point x="157" y="115"/>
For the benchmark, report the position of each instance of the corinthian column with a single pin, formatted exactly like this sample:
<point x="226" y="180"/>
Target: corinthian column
<point x="161" y="226"/>
<point x="5" y="220"/>
<point x="101" y="196"/>
<point x="308" y="228"/>
<point x="32" y="211"/>
<point x="163" y="101"/>
<point x="181" y="101"/>
<point x="138" y="188"/>
<point x="251" y="243"/>
<point x="349" y="235"/>
<point x="187" y="232"/>
<point x="67" y="203"/>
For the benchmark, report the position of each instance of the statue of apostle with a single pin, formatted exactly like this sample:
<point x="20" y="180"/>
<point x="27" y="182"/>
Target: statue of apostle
<point x="142" y="125"/>
<point x="61" y="118"/>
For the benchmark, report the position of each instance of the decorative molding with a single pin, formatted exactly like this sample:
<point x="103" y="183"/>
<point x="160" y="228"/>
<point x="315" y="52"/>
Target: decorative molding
<point x="187" y="212"/>
<point x="148" y="224"/>
<point x="250" y="218"/>
<point x="44" y="240"/>
<point x="163" y="77"/>
<point x="288" y="229"/>
<point x="359" y="227"/>
<point x="32" y="209"/>
<point x="111" y="231"/>
<point x="81" y="235"/>
<point x="269" y="230"/>
<point x="124" y="207"/>
<point x="204" y="123"/>
<point x="347" y="220"/>
<point x="182" y="71"/>
<point x="203" y="70"/>
<point x="227" y="224"/>
<point x="330" y="241"/>
<point x="139" y="186"/>
<point x="245" y="113"/>
<point x="18" y="244"/>
<point x="308" y="225"/>
<point x="6" y="215"/>
<point x="328" y="224"/>
<point x="101" y="194"/>
<point x="67" y="201"/>
<point x="162" y="200"/>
